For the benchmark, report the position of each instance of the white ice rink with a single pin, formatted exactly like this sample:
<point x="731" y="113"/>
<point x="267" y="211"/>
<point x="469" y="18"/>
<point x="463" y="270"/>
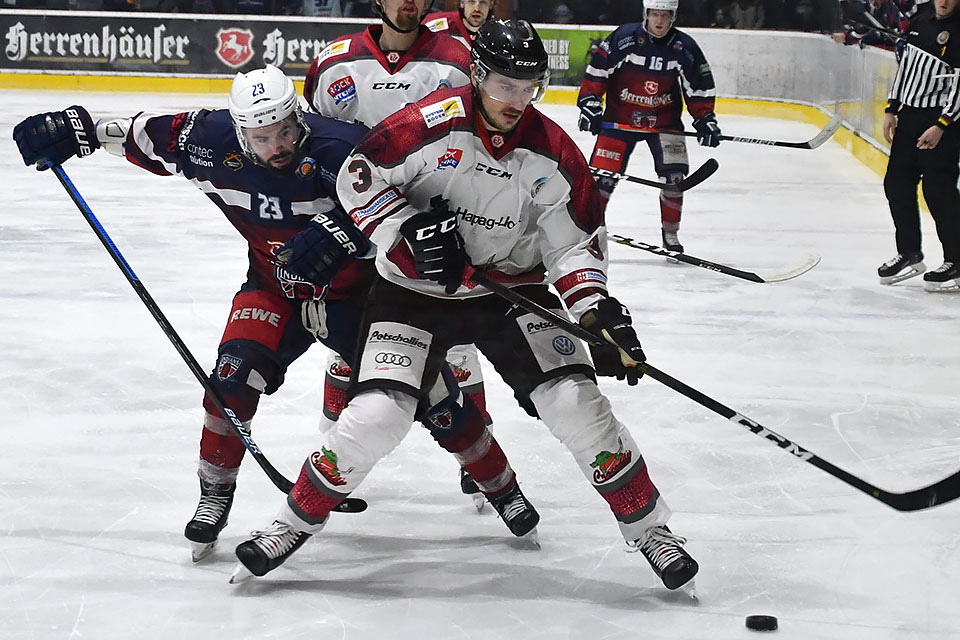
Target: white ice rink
<point x="101" y="421"/>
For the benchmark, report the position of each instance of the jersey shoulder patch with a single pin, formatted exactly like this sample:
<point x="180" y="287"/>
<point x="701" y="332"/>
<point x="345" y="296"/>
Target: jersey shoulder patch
<point x="440" y="24"/>
<point x="439" y="112"/>
<point x="334" y="49"/>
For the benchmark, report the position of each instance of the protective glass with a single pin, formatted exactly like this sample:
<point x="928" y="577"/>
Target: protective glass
<point x="512" y="91"/>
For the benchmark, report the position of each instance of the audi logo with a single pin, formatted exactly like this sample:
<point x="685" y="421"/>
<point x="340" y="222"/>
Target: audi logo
<point x="393" y="358"/>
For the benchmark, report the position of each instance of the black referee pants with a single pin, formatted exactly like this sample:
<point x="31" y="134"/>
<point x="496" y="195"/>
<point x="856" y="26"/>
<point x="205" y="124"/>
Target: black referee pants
<point x="939" y="169"/>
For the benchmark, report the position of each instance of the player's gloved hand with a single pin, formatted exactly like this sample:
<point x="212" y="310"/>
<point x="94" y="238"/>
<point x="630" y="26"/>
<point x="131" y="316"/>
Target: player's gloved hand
<point x="708" y="131"/>
<point x="436" y="244"/>
<point x="318" y="252"/>
<point x="591" y="113"/>
<point x="611" y="321"/>
<point x="56" y="137"/>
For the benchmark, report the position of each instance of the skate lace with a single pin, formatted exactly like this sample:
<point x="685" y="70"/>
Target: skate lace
<point x="892" y="262"/>
<point x="513" y="507"/>
<point x="276" y="539"/>
<point x="946" y="266"/>
<point x="659" y="545"/>
<point x="211" y="508"/>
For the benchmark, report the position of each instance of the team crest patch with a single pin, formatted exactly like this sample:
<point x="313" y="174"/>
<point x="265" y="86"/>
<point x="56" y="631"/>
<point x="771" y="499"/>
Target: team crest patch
<point x="325" y="461"/>
<point x="607" y="464"/>
<point x="460" y="371"/>
<point x="234" y="46"/>
<point x="942" y="37"/>
<point x="233" y="161"/>
<point x="651" y="86"/>
<point x="228" y="365"/>
<point x="450" y="159"/>
<point x="496" y="140"/>
<point x="343" y="90"/>
<point x="393" y="57"/>
<point x="334" y="49"/>
<point x="439" y="112"/>
<point x="678" y="45"/>
<point x="306" y="169"/>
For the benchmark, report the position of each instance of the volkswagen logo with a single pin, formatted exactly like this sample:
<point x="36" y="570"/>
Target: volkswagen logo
<point x="564" y="345"/>
<point x="393" y="358"/>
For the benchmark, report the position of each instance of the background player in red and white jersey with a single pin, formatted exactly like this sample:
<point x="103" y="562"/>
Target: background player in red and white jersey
<point x="646" y="72"/>
<point x="271" y="170"/>
<point x="464" y="23"/>
<point x="365" y="77"/>
<point x="476" y="178"/>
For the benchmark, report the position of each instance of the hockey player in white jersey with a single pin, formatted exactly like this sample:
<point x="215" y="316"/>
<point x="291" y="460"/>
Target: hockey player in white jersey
<point x="367" y="76"/>
<point x="476" y="178"/>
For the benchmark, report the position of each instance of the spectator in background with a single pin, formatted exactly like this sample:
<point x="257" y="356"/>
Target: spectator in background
<point x="746" y="14"/>
<point x="562" y="14"/>
<point x="861" y="15"/>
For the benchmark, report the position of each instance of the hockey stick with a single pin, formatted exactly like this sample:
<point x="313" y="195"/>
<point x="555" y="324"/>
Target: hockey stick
<point x="349" y="505"/>
<point x="705" y="170"/>
<point x="941" y="492"/>
<point x="809" y="262"/>
<point x="835" y="122"/>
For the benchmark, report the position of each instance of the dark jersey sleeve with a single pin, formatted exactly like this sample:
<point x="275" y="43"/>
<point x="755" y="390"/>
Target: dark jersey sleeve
<point x="158" y="142"/>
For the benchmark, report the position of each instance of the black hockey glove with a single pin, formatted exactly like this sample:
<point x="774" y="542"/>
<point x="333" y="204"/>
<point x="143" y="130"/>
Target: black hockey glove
<point x="56" y="137"/>
<point x="591" y="113"/>
<point x="436" y="245"/>
<point x="318" y="252"/>
<point x="610" y="321"/>
<point x="708" y="131"/>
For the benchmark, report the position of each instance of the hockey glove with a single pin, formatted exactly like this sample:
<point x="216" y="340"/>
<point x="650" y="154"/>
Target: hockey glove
<point x="436" y="245"/>
<point x="318" y="252"/>
<point x="55" y="137"/>
<point x="611" y="321"/>
<point x="591" y="113"/>
<point x="708" y="131"/>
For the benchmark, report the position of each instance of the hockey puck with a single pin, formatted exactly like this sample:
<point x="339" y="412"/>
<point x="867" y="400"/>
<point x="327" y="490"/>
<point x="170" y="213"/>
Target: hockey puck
<point x="762" y="623"/>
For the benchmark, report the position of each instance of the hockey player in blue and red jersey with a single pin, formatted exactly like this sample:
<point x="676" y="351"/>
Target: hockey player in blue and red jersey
<point x="272" y="171"/>
<point x="646" y="72"/>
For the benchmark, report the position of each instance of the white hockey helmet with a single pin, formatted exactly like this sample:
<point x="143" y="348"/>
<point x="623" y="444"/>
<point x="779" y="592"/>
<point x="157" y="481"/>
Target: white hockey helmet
<point x="260" y="98"/>
<point x="662" y="5"/>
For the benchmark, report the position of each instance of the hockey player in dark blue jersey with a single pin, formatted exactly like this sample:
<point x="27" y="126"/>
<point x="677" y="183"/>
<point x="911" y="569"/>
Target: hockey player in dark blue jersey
<point x="272" y="171"/>
<point x="647" y="71"/>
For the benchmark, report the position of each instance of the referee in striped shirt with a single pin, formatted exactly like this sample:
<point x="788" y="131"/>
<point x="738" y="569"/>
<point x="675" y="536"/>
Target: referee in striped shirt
<point x="925" y="143"/>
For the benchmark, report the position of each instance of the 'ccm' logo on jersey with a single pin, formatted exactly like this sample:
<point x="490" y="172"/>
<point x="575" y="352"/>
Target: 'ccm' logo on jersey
<point x="493" y="171"/>
<point x="254" y="313"/>
<point x="391" y="85"/>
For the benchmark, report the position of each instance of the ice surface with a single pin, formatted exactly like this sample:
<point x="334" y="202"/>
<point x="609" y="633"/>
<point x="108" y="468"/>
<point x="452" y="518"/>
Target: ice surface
<point x="101" y="421"/>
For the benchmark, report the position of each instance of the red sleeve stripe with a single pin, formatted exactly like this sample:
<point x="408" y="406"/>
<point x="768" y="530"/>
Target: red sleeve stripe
<point x="580" y="278"/>
<point x="580" y="294"/>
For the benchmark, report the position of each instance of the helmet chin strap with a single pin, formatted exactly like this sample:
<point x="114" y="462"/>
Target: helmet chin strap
<point x="378" y="9"/>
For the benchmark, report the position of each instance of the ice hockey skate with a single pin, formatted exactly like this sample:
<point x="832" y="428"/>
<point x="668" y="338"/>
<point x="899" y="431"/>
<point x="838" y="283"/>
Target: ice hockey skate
<point x="266" y="550"/>
<point x="664" y="551"/>
<point x="519" y="515"/>
<point x="469" y="488"/>
<point x="671" y="242"/>
<point x="210" y="518"/>
<point x="946" y="277"/>
<point x="901" y="267"/>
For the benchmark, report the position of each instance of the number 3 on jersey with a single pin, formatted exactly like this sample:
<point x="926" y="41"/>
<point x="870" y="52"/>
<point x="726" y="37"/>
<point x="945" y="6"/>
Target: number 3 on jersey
<point x="270" y="207"/>
<point x="362" y="170"/>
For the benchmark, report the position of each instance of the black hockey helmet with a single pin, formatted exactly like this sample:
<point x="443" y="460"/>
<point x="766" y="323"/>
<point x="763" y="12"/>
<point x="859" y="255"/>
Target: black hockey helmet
<point x="511" y="48"/>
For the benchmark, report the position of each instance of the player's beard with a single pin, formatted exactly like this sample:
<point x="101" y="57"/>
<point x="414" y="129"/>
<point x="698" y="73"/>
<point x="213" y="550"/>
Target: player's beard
<point x="406" y="21"/>
<point x="281" y="161"/>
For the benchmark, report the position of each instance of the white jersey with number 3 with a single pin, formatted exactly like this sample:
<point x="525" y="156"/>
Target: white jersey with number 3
<point x="526" y="203"/>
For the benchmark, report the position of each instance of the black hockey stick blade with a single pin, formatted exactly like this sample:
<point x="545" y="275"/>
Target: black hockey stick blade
<point x="807" y="263"/>
<point x="705" y="170"/>
<point x="353" y="505"/>
<point x="938" y="493"/>
<point x="825" y="134"/>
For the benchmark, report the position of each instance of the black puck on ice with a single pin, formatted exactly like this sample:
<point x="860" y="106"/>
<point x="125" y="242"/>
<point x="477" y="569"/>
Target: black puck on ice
<point x="762" y="623"/>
